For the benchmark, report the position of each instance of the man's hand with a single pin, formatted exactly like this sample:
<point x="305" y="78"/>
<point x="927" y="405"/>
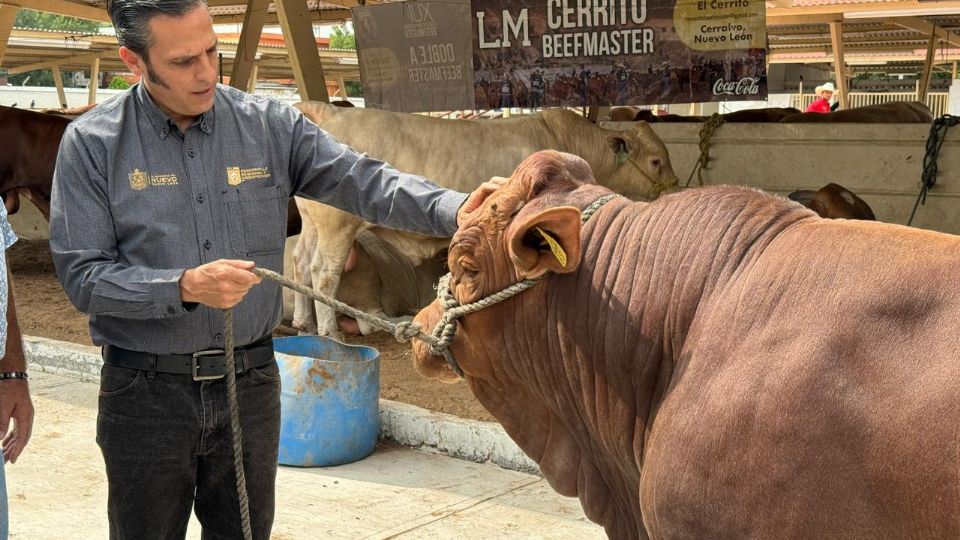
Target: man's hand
<point x="220" y="284"/>
<point x="15" y="404"/>
<point x="479" y="195"/>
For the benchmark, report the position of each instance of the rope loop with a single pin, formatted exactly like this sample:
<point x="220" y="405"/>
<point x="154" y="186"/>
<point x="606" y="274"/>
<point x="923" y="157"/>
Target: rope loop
<point x="928" y="179"/>
<point x="706" y="134"/>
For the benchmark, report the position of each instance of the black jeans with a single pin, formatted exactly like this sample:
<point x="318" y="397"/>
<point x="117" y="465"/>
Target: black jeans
<point x="167" y="446"/>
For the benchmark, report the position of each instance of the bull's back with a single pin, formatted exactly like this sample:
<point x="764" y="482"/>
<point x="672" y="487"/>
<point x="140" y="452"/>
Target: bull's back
<point x="822" y="387"/>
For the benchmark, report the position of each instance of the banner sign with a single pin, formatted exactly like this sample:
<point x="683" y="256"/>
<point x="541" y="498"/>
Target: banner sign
<point x="415" y="56"/>
<point x="622" y="52"/>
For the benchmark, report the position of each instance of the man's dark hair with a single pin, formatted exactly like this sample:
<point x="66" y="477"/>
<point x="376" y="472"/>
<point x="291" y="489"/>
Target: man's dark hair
<point x="131" y="19"/>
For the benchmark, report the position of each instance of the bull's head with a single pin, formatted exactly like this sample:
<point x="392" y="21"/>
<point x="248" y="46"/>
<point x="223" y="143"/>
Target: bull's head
<point x="510" y="351"/>
<point x="642" y="168"/>
<point x="520" y="232"/>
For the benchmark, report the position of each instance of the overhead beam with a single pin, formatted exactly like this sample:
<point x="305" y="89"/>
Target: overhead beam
<point x="791" y="16"/>
<point x="327" y="15"/>
<point x="881" y="8"/>
<point x="64" y="7"/>
<point x="7" y="15"/>
<point x="302" y="48"/>
<point x="253" y="20"/>
<point x="873" y="59"/>
<point x="836" y="37"/>
<point x="50" y="64"/>
<point x="919" y="25"/>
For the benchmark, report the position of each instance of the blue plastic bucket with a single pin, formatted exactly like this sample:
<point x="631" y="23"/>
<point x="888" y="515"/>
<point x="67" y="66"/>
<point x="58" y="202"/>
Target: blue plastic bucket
<point x="328" y="401"/>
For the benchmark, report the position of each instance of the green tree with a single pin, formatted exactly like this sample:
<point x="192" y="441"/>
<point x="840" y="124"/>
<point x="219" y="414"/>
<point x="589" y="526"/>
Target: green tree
<point x="341" y="38"/>
<point x="118" y="83"/>
<point x="354" y="88"/>
<point x="28" y="18"/>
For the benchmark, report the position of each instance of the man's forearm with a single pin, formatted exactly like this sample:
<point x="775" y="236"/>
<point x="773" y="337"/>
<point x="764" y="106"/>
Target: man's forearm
<point x="13" y="357"/>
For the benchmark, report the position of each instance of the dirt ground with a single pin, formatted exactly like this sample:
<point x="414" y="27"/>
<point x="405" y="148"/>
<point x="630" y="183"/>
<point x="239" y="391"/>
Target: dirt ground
<point x="44" y="310"/>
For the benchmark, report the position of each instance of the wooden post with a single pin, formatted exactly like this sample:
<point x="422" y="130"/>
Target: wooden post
<point x="7" y="14"/>
<point x="94" y="79"/>
<point x="252" y="86"/>
<point x="836" y="38"/>
<point x="343" y="87"/>
<point x="58" y="80"/>
<point x="302" y="48"/>
<point x="245" y="60"/>
<point x="924" y="82"/>
<point x="954" y="69"/>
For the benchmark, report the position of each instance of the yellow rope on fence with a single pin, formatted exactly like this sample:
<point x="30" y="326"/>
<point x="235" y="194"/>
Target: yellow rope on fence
<point x="706" y="133"/>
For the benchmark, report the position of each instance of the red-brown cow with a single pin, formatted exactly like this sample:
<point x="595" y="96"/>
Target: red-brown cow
<point x="718" y="363"/>
<point x="28" y="155"/>
<point x="834" y="201"/>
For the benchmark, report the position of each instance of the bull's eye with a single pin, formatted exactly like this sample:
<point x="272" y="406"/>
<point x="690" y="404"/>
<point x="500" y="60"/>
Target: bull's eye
<point x="467" y="264"/>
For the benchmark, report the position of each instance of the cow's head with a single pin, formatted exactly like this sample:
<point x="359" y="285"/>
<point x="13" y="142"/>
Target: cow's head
<point x="522" y="231"/>
<point x="642" y="168"/>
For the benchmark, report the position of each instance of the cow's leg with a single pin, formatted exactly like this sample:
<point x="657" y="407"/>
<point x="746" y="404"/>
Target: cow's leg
<point x="303" y="316"/>
<point x="336" y="233"/>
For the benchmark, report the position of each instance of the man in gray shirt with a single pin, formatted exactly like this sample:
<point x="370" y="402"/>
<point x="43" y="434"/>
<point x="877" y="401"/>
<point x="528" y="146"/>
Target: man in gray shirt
<point x="164" y="199"/>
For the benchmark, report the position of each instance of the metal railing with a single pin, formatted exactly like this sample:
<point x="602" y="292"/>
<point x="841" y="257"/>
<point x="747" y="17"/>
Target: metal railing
<point x="936" y="101"/>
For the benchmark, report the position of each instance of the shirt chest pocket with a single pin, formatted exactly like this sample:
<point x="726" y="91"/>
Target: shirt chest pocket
<point x="256" y="219"/>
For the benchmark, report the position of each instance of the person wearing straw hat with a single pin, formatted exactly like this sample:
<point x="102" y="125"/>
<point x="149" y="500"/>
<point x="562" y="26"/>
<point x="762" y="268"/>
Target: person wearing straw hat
<point x="822" y="103"/>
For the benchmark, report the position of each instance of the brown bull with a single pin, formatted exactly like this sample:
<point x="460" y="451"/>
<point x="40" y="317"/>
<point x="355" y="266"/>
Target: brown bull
<point x="894" y="112"/>
<point x="718" y="363"/>
<point x="834" y="201"/>
<point x="765" y="115"/>
<point x="28" y="155"/>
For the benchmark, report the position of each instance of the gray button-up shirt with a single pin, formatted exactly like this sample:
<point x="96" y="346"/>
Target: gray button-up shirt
<point x="135" y="203"/>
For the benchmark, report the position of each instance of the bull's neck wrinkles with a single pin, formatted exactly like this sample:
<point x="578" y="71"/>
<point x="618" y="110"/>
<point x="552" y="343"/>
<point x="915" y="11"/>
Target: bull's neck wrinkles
<point x="648" y="271"/>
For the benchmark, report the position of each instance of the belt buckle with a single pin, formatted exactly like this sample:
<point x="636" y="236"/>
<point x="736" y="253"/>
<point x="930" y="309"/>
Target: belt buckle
<point x="195" y="364"/>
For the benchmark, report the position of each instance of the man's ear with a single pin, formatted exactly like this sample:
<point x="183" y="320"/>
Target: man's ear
<point x="132" y="61"/>
<point x="547" y="242"/>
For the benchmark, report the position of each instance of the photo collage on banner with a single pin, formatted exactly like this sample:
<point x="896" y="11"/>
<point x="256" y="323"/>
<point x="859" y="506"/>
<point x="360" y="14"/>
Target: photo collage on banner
<point x="415" y="56"/>
<point x="562" y="53"/>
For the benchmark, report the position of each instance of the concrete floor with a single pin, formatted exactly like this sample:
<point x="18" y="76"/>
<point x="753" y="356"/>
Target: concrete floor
<point x="58" y="488"/>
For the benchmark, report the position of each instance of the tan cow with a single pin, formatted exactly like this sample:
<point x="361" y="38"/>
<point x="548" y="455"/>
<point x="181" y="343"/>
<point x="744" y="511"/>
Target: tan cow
<point x="461" y="155"/>
<point x="719" y="363"/>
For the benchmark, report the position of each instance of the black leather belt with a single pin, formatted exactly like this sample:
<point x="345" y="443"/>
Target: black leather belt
<point x="202" y="365"/>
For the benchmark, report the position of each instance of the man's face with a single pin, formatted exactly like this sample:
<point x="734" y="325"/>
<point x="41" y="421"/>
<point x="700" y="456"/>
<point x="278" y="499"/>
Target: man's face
<point x="826" y="94"/>
<point x="181" y="73"/>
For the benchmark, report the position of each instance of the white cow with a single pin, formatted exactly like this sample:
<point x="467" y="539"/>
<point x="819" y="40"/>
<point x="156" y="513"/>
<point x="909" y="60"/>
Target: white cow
<point x="459" y="155"/>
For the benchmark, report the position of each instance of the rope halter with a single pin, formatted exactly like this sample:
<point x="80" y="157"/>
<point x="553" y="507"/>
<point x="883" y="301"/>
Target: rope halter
<point x="446" y="328"/>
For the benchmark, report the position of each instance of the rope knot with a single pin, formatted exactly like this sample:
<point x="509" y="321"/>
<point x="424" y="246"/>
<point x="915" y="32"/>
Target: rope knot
<point x="405" y="331"/>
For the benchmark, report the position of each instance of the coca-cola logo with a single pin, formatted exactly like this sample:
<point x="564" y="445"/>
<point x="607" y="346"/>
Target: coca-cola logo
<point x="746" y="86"/>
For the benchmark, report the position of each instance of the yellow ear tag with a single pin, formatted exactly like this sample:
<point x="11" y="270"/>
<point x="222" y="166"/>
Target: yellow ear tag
<point x="554" y="247"/>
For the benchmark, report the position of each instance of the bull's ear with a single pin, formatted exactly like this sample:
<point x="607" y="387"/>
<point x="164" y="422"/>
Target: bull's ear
<point x="547" y="242"/>
<point x="619" y="147"/>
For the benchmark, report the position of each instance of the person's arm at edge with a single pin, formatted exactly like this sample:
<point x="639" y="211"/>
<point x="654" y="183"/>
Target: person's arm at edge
<point x="14" y="393"/>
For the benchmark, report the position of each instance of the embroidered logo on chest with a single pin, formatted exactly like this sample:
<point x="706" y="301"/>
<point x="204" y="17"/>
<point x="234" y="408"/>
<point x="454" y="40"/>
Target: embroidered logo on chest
<point x="140" y="180"/>
<point x="237" y="176"/>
